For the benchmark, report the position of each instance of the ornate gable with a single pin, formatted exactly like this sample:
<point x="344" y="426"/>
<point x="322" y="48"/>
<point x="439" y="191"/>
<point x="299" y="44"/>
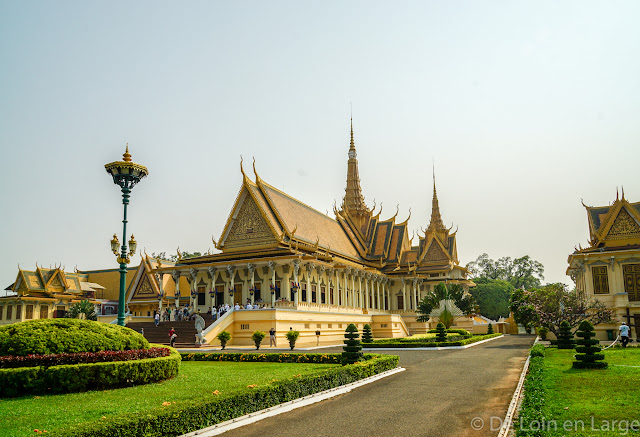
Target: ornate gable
<point x="144" y="290"/>
<point x="623" y="227"/>
<point x="249" y="227"/>
<point x="435" y="252"/>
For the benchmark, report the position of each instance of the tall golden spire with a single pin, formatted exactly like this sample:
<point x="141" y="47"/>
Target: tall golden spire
<point x="353" y="202"/>
<point x="436" y="223"/>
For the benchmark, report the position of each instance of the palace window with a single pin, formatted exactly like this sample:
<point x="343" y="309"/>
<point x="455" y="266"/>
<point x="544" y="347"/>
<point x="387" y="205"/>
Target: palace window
<point x="632" y="281"/>
<point x="323" y="298"/>
<point x="201" y="295"/>
<point x="9" y="311"/>
<point x="257" y="297"/>
<point x="19" y="312"/>
<point x="600" y="280"/>
<point x="313" y="293"/>
<point x="331" y="296"/>
<point x="303" y="291"/>
<point x="44" y="312"/>
<point x="29" y="311"/>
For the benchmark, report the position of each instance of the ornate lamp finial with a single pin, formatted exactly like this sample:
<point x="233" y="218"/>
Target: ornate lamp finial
<point x="126" y="157"/>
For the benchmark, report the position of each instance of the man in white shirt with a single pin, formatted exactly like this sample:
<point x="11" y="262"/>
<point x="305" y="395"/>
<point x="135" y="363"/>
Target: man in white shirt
<point x="624" y="334"/>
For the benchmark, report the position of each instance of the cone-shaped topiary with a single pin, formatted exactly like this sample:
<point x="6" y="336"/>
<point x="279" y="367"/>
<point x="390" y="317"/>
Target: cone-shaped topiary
<point x="588" y="348"/>
<point x="367" y="335"/>
<point x="441" y="332"/>
<point x="352" y="348"/>
<point x="565" y="337"/>
<point x="490" y="329"/>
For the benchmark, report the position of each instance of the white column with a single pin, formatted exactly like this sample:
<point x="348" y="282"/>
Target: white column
<point x="212" y="290"/>
<point x="176" y="279"/>
<point x="160" y="289"/>
<point x="250" y="268"/>
<point x="404" y="294"/>
<point x="272" y="273"/>
<point x="296" y="271"/>
<point x="193" y="300"/>
<point x="232" y="274"/>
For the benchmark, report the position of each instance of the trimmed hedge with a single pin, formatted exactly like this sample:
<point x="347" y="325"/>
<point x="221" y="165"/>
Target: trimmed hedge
<point x="81" y="358"/>
<point x="392" y="343"/>
<point x="452" y="331"/>
<point x="81" y="377"/>
<point x="266" y="358"/>
<point x="532" y="407"/>
<point x="55" y="336"/>
<point x="203" y="412"/>
<point x="537" y="350"/>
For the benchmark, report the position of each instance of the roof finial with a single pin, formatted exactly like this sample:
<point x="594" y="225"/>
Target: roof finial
<point x="126" y="157"/>
<point x="617" y="194"/>
<point x="436" y="220"/>
<point x="352" y="145"/>
<point x="623" y="192"/>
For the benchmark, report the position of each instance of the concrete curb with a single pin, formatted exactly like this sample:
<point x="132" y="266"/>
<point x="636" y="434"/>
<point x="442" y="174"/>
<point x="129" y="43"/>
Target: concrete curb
<point x="288" y="406"/>
<point x="515" y="399"/>
<point x="444" y="348"/>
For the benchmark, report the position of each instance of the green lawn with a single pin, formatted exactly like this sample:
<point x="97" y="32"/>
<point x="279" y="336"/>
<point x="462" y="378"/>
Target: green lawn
<point x="20" y="416"/>
<point x="592" y="396"/>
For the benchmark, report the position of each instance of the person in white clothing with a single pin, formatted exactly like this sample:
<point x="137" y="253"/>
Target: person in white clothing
<point x="624" y="334"/>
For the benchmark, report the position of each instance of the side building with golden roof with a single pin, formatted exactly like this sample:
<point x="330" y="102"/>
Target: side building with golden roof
<point x="609" y="268"/>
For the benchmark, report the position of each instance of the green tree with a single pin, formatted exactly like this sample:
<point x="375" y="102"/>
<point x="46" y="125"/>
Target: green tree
<point x="587" y="356"/>
<point x="292" y="336"/>
<point x="524" y="312"/>
<point x="565" y="336"/>
<point x="492" y="296"/>
<point x="83" y="310"/>
<point x="520" y="272"/>
<point x="441" y="332"/>
<point x="490" y="329"/>
<point x="367" y="335"/>
<point x="451" y="292"/>
<point x="352" y="347"/>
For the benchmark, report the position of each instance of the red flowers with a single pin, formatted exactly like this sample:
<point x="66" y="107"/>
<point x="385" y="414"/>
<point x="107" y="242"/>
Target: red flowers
<point x="81" y="358"/>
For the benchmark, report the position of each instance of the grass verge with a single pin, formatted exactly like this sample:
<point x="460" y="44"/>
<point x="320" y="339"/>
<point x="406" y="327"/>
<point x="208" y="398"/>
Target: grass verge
<point x="562" y="401"/>
<point x="204" y="393"/>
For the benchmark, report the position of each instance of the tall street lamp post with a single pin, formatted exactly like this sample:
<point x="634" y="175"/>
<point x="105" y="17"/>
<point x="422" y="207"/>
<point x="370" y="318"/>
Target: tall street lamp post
<point x="126" y="174"/>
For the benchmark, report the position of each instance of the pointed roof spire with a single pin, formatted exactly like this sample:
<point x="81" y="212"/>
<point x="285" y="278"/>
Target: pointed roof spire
<point x="353" y="202"/>
<point x="126" y="156"/>
<point x="436" y="220"/>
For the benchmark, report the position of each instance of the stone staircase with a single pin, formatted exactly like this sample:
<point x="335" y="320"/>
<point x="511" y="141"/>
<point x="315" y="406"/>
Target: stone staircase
<point x="185" y="330"/>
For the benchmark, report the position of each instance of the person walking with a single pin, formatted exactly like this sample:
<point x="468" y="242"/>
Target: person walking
<point x="624" y="334"/>
<point x="172" y="337"/>
<point x="157" y="319"/>
<point x="272" y="337"/>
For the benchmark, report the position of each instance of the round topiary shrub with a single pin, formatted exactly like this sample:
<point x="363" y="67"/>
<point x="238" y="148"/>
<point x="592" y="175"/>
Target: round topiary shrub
<point x="565" y="336"/>
<point x="54" y="336"/>
<point x="367" y="335"/>
<point x="441" y="332"/>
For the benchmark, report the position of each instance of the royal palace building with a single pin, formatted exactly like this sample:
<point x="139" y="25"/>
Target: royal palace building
<point x="609" y="268"/>
<point x="313" y="270"/>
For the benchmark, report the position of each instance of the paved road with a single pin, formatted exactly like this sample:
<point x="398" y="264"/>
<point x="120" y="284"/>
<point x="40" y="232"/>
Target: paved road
<point x="438" y="395"/>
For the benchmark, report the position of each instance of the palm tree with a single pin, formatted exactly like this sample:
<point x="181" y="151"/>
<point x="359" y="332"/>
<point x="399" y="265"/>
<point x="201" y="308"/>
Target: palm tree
<point x="449" y="301"/>
<point x="84" y="307"/>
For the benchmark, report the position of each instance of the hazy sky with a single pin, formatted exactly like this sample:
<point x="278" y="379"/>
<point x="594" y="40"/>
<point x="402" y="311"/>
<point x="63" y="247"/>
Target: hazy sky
<point x="525" y="107"/>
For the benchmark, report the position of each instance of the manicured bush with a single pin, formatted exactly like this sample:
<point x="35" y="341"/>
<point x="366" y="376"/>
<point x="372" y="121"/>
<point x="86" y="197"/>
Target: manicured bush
<point x="55" y="336"/>
<point x="367" y="335"/>
<point x="588" y="348"/>
<point x="81" y="377"/>
<point x="224" y="337"/>
<point x="352" y="348"/>
<point x="292" y="336"/>
<point x="257" y="338"/>
<point x="537" y="350"/>
<point x="542" y="332"/>
<point x="394" y="343"/>
<point x="565" y="337"/>
<point x="441" y="332"/>
<point x="490" y="329"/>
<point x="12" y="361"/>
<point x="177" y="419"/>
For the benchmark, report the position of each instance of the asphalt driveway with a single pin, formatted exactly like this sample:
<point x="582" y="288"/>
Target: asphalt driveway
<point x="442" y="393"/>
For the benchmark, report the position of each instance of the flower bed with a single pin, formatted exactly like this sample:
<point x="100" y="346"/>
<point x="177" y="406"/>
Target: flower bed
<point x="203" y="412"/>
<point x="397" y="343"/>
<point x="266" y="358"/>
<point x="81" y="358"/>
<point x="87" y="376"/>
